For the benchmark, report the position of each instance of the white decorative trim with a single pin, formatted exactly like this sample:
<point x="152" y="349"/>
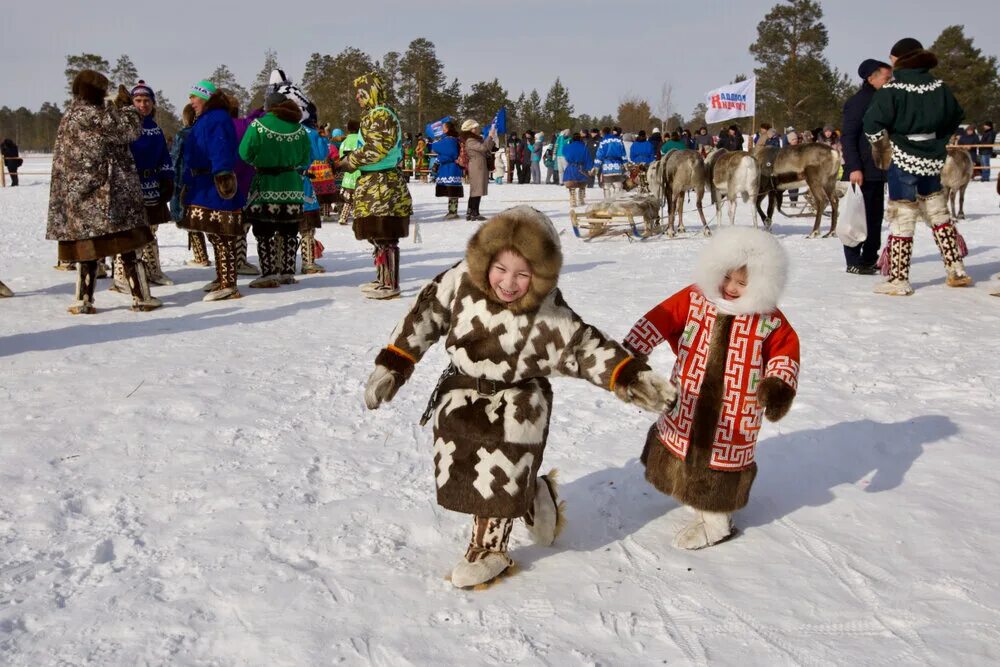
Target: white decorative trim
<point x="278" y="136"/>
<point x="914" y="164"/>
<point x="915" y="88"/>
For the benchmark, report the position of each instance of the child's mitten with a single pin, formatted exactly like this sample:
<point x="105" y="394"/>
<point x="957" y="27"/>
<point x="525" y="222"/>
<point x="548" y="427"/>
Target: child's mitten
<point x="649" y="391"/>
<point x="382" y="386"/>
<point x="775" y="396"/>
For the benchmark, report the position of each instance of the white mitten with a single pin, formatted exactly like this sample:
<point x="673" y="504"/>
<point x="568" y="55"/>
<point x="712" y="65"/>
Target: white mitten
<point x="381" y="387"/>
<point x="649" y="391"/>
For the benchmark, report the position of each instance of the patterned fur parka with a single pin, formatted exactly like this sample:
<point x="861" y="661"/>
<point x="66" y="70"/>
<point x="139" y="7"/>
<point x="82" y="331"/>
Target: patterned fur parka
<point x="489" y="440"/>
<point x="95" y="188"/>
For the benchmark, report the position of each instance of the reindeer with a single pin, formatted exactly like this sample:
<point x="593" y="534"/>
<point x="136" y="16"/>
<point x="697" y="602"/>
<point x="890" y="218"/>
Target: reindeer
<point x="730" y="173"/>
<point x="808" y="165"/>
<point x="955" y="178"/>
<point x="679" y="172"/>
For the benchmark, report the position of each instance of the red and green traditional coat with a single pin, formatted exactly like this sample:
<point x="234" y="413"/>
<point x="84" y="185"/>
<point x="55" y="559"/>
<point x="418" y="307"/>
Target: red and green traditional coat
<point x="277" y="146"/>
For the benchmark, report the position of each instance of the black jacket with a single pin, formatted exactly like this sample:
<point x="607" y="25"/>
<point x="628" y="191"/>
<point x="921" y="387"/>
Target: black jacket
<point x="856" y="149"/>
<point x="988" y="137"/>
<point x="731" y="142"/>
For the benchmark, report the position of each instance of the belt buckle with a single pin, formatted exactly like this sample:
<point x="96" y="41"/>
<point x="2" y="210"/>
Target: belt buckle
<point x="479" y="387"/>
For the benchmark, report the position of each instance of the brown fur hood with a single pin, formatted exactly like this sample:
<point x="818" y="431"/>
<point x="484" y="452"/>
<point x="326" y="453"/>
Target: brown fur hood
<point x="921" y="59"/>
<point x="465" y="136"/>
<point x="287" y="111"/>
<point x="217" y="101"/>
<point x="530" y="233"/>
<point x="90" y="86"/>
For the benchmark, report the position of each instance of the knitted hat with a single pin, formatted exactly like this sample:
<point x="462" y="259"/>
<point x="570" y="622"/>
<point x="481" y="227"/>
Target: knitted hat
<point x="870" y="66"/>
<point x="905" y="47"/>
<point x="203" y="89"/>
<point x="337" y="132"/>
<point x="142" y="89"/>
<point x="469" y="125"/>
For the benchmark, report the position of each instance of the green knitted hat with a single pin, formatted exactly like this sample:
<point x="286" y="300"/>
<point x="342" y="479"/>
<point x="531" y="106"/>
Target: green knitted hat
<point x="203" y="89"/>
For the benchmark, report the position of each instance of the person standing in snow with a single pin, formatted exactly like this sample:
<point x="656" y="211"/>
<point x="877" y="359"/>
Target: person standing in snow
<point x="382" y="202"/>
<point x="578" y="166"/>
<point x="610" y="162"/>
<point x="477" y="151"/>
<point x="95" y="200"/>
<point x="196" y="240"/>
<point x="909" y="122"/>
<point x="737" y="362"/>
<point x="11" y="159"/>
<point x="244" y="178"/>
<point x="449" y="175"/>
<point x="507" y="329"/>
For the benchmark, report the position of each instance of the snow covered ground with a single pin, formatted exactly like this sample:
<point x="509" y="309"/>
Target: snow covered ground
<point x="201" y="485"/>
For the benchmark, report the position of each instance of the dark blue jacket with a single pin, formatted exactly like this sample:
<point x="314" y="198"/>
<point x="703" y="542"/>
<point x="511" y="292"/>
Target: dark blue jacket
<point x="641" y="152"/>
<point x="578" y="162"/>
<point x="857" y="150"/>
<point x="210" y="149"/>
<point x="447" y="149"/>
<point x="966" y="139"/>
<point x="152" y="160"/>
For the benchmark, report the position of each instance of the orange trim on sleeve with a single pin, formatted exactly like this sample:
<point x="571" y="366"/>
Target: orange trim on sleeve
<point x="618" y="369"/>
<point x="406" y="355"/>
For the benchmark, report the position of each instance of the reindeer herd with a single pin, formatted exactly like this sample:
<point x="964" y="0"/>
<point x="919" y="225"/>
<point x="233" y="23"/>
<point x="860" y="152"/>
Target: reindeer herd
<point x="767" y="173"/>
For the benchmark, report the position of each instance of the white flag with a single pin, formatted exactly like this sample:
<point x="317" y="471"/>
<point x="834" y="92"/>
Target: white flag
<point x="734" y="101"/>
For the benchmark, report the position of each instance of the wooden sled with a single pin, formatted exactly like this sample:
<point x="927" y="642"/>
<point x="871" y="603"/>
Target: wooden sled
<point x="588" y="226"/>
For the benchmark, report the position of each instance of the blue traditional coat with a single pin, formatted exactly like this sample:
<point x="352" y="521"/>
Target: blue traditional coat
<point x="611" y="156"/>
<point x="152" y="160"/>
<point x="578" y="163"/>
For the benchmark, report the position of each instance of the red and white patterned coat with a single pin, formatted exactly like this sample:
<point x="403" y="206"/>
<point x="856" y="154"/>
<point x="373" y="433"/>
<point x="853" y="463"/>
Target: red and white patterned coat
<point x="760" y="345"/>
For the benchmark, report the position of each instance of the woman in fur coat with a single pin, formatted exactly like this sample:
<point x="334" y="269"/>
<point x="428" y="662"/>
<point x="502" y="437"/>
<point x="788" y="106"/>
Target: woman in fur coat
<point x="507" y="329"/>
<point x="737" y="361"/>
<point x="212" y="200"/>
<point x="95" y="201"/>
<point x="477" y="150"/>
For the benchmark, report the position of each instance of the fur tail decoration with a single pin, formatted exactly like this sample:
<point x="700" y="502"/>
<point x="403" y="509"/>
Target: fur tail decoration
<point x="963" y="250"/>
<point x="883" y="260"/>
<point x="553" y="482"/>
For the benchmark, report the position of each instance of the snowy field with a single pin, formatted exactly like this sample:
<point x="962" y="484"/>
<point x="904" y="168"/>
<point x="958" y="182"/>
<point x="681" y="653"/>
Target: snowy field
<point x="201" y="485"/>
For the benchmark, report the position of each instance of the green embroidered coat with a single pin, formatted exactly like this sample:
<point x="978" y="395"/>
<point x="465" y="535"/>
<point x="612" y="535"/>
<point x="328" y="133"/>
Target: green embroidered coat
<point x="278" y="149"/>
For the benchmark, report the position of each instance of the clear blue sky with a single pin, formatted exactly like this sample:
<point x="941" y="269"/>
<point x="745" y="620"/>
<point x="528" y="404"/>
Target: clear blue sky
<point x="603" y="51"/>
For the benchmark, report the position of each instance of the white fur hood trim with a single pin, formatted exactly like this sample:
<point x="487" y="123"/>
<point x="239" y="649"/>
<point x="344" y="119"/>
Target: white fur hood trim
<point x="767" y="269"/>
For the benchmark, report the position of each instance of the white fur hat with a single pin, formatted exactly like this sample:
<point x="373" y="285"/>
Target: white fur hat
<point x="470" y="125"/>
<point x="767" y="269"/>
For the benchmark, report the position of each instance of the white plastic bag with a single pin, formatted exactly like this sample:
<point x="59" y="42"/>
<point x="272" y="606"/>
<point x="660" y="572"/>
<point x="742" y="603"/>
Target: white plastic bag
<point x="852" y="228"/>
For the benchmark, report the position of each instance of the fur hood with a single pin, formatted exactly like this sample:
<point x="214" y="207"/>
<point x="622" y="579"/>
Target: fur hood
<point x="767" y="269"/>
<point x="90" y="86"/>
<point x="531" y="234"/>
<point x="217" y="101"/>
<point x="921" y="59"/>
<point x="287" y="111"/>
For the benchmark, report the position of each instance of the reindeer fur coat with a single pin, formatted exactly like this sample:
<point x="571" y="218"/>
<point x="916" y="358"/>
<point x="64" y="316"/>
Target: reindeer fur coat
<point x="489" y="440"/>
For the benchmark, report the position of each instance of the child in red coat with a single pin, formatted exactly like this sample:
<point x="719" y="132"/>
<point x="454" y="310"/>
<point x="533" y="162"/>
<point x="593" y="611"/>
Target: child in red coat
<point x="737" y="361"/>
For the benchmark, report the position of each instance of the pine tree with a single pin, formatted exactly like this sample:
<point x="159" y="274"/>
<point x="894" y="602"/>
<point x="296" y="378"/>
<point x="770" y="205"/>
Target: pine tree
<point x="557" y="109"/>
<point x="531" y="114"/>
<point x="795" y="84"/>
<point x="388" y="68"/>
<point x="422" y="77"/>
<point x="329" y="82"/>
<point x="259" y="86"/>
<point x="124" y="73"/>
<point x="226" y="81"/>
<point x="166" y="115"/>
<point x="483" y="101"/>
<point x="972" y="76"/>
<point x="516" y="114"/>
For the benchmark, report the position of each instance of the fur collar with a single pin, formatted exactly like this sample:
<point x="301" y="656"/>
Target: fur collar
<point x="922" y="59"/>
<point x="287" y="111"/>
<point x="767" y="268"/>
<point x="531" y="234"/>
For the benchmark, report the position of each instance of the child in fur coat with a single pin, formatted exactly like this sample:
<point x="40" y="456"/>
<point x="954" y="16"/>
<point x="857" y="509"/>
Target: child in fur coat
<point x="507" y="329"/>
<point x="737" y="361"/>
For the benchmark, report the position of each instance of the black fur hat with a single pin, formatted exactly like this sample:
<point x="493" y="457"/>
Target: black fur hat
<point x="905" y="47"/>
<point x="90" y="86"/>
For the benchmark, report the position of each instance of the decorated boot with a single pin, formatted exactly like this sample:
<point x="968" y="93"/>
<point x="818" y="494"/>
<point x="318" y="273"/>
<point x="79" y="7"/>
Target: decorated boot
<point x="949" y="242"/>
<point x="119" y="282"/>
<point x="706" y="529"/>
<point x="243" y="266"/>
<point x="135" y="274"/>
<point x="486" y="557"/>
<point x="225" y="269"/>
<point x="267" y="252"/>
<point x="309" y="264"/>
<point x="151" y="258"/>
<point x="288" y="249"/>
<point x="86" y="277"/>
<point x="582" y="196"/>
<point x="452" y="209"/>
<point x="62" y="265"/>
<point x="572" y="197"/>
<point x="346" y="209"/>
<point x="895" y="263"/>
<point x="546" y="517"/>
<point x="387" y="273"/>
<point x="5" y="291"/>
<point x="103" y="270"/>
<point x="196" y="242"/>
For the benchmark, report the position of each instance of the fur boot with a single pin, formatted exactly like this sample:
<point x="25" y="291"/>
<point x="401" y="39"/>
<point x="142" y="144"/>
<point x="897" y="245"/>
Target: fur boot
<point x="5" y="291"/>
<point x="309" y="264"/>
<point x="452" y="209"/>
<point x="151" y="258"/>
<point x="267" y="252"/>
<point x="386" y="272"/>
<point x="572" y="197"/>
<point x="86" y="276"/>
<point x="898" y="252"/>
<point x="288" y="249"/>
<point x="486" y="557"/>
<point x="949" y="242"/>
<point x="706" y="529"/>
<point x="546" y="518"/>
<point x="347" y="208"/>
<point x="243" y="266"/>
<point x="196" y="242"/>
<point x="135" y="274"/>
<point x="118" y="283"/>
<point x="61" y="265"/>
<point x="225" y="269"/>
<point x="582" y="196"/>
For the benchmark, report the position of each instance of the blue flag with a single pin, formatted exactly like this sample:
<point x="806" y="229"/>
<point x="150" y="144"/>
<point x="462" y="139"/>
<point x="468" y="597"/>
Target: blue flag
<point x="499" y="121"/>
<point x="435" y="130"/>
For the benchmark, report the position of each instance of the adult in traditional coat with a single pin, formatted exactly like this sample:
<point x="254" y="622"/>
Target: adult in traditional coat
<point x="95" y="201"/>
<point x="478" y="151"/>
<point x="578" y="165"/>
<point x="448" y="182"/>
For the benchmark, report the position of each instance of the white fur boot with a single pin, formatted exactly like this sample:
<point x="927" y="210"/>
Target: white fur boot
<point x="706" y="529"/>
<point x="545" y="520"/>
<point x="486" y="557"/>
<point x="487" y="568"/>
